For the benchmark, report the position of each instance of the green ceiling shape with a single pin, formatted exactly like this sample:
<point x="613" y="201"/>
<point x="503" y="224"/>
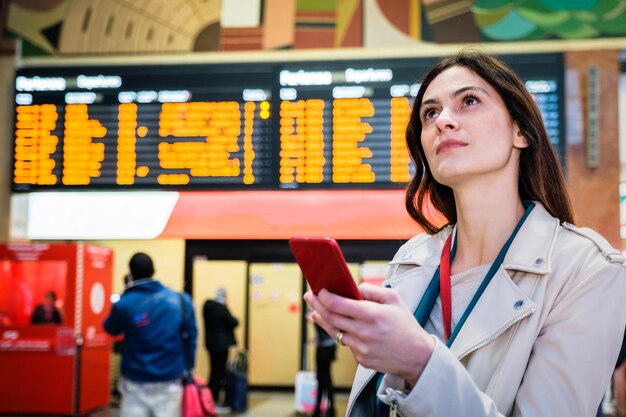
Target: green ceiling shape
<point x="570" y="4"/>
<point x="493" y="4"/>
<point x="501" y="20"/>
<point x="510" y="27"/>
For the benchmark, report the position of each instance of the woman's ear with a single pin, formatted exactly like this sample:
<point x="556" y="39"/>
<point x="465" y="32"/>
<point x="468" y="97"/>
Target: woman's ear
<point x="520" y="141"/>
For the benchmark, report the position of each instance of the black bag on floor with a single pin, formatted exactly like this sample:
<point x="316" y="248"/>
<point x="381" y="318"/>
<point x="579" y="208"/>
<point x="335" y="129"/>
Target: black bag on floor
<point x="237" y="382"/>
<point x="236" y="391"/>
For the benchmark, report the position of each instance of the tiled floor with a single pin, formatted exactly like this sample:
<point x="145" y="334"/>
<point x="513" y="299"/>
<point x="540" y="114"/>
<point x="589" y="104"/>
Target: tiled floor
<point x="261" y="404"/>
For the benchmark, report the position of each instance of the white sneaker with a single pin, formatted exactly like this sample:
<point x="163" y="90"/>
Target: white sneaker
<point x="222" y="409"/>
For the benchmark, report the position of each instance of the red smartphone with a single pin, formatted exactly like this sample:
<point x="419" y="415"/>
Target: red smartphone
<point x="323" y="266"/>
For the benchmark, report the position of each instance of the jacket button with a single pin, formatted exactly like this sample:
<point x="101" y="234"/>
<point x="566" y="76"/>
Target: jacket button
<point x="539" y="261"/>
<point x="406" y="256"/>
<point x="518" y="304"/>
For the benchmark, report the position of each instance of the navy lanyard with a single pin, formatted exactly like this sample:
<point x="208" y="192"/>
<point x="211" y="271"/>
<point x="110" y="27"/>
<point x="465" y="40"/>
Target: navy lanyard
<point x="425" y="307"/>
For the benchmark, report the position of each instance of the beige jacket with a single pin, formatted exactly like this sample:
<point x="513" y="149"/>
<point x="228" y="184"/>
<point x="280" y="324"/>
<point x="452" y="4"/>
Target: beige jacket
<point x="541" y="341"/>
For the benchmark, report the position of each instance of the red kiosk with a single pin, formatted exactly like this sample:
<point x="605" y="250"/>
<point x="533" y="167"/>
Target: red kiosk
<point x="54" y="368"/>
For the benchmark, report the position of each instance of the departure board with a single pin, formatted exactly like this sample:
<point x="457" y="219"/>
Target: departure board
<point x="346" y="124"/>
<point x="143" y="127"/>
<point x="296" y="125"/>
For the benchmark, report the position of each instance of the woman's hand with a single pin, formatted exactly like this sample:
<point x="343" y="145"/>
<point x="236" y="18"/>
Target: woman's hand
<point x="380" y="331"/>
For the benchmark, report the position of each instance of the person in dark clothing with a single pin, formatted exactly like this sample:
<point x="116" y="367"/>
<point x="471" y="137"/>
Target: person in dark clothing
<point x="47" y="312"/>
<point x="324" y="355"/>
<point x="219" y="326"/>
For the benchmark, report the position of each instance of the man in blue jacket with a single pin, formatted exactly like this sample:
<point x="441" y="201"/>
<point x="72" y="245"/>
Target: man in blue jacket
<point x="154" y="352"/>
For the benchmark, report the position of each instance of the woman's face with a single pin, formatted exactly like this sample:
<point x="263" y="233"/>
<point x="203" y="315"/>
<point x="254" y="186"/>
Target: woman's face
<point x="467" y="131"/>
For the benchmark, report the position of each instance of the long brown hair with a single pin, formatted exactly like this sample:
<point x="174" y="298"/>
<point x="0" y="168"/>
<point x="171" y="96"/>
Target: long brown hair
<point x="540" y="175"/>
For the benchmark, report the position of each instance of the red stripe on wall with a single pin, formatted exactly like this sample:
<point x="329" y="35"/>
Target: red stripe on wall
<point x="350" y="214"/>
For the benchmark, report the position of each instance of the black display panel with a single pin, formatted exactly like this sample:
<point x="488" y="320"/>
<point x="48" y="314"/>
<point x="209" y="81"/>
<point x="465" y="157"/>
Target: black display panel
<point x="296" y="125"/>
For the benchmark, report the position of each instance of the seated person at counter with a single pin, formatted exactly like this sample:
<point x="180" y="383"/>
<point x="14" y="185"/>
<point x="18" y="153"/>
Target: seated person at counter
<point x="47" y="312"/>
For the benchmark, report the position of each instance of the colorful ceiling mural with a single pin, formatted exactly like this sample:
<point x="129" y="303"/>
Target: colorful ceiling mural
<point x="74" y="27"/>
<point x="540" y="19"/>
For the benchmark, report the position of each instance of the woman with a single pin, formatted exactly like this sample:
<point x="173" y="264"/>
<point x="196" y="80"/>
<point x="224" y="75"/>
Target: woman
<point x="47" y="313"/>
<point x="547" y="300"/>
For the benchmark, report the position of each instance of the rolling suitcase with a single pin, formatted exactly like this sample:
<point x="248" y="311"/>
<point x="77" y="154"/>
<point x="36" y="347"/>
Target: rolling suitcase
<point x="237" y="382"/>
<point x="306" y="382"/>
<point x="306" y="392"/>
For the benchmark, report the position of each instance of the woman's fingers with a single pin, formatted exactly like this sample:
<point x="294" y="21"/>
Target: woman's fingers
<point x="378" y="294"/>
<point x="327" y="315"/>
<point x="353" y="308"/>
<point x="380" y="330"/>
<point x="320" y="313"/>
<point x="350" y="315"/>
<point x="319" y="319"/>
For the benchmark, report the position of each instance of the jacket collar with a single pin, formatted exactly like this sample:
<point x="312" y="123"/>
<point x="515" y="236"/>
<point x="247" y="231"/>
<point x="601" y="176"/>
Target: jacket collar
<point x="144" y="284"/>
<point x="531" y="251"/>
<point x="424" y="250"/>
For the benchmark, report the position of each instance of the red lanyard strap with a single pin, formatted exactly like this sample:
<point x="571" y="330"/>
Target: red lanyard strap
<point x="446" y="288"/>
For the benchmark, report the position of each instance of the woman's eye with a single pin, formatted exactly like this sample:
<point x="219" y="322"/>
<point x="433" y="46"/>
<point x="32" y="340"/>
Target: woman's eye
<point x="470" y="101"/>
<point x="429" y="114"/>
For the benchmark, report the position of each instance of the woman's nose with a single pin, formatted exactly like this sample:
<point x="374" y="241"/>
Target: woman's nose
<point x="445" y="120"/>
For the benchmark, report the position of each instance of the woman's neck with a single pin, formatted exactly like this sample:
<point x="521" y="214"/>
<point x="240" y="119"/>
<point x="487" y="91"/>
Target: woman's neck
<point x="486" y="217"/>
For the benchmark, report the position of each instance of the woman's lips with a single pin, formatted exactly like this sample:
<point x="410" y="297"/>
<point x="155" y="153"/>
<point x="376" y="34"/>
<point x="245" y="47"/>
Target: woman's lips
<point x="449" y="144"/>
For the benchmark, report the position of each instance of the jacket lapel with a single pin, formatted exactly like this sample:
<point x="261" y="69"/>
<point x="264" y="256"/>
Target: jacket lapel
<point x="412" y="290"/>
<point x="502" y="305"/>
